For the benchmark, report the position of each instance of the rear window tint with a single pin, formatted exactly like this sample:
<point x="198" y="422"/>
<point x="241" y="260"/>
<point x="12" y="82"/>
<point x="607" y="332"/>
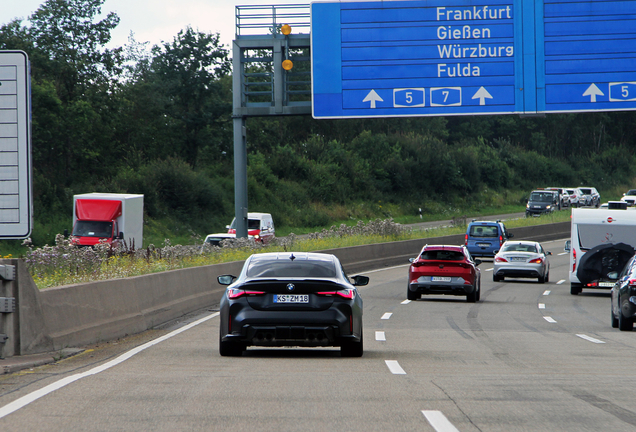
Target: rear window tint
<point x="519" y="248"/>
<point x="484" y="231"/>
<point x="283" y="269"/>
<point x="445" y="255"/>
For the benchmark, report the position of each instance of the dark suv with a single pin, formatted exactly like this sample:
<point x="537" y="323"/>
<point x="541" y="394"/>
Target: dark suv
<point x="542" y="201"/>
<point x="484" y="238"/>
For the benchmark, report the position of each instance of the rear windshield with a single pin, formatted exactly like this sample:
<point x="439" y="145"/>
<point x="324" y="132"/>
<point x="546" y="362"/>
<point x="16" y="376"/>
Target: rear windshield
<point x="519" y="248"/>
<point x="284" y="269"/>
<point x="445" y="255"/>
<point x="570" y="191"/>
<point x="541" y="197"/>
<point x="631" y="192"/>
<point x="586" y="191"/>
<point x="484" y="231"/>
<point x="591" y="235"/>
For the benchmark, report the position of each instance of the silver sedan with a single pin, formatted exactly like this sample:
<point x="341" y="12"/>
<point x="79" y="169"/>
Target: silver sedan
<point x="521" y="259"/>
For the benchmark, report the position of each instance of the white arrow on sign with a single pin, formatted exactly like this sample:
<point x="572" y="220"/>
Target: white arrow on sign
<point x="593" y="91"/>
<point x="373" y="97"/>
<point x="482" y="94"/>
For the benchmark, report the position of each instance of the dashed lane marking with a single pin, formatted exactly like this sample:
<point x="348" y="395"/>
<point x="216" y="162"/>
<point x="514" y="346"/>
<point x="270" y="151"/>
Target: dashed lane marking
<point x="546" y="292"/>
<point x="387" y="315"/>
<point x="562" y="281"/>
<point x="591" y="339"/>
<point x="549" y="319"/>
<point x="439" y="421"/>
<point x="541" y="306"/>
<point x="395" y="367"/>
<point x="406" y="302"/>
<point x="379" y="336"/>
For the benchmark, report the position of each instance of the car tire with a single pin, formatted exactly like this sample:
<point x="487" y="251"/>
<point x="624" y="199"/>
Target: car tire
<point x="575" y="290"/>
<point x="353" y="349"/>
<point x="624" y="323"/>
<point x="614" y="317"/>
<point x="230" y="349"/>
<point x="496" y="278"/>
<point x="478" y="292"/>
<point x="541" y="279"/>
<point x="472" y="297"/>
<point x="410" y="295"/>
<point x="598" y="203"/>
<point x="547" y="276"/>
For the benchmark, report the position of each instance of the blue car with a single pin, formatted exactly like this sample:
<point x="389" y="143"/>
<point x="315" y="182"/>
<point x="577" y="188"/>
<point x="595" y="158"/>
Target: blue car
<point x="484" y="238"/>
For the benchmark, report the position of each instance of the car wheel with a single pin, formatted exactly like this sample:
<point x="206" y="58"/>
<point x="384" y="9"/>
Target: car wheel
<point x="352" y="349"/>
<point x="614" y="317"/>
<point x="547" y="276"/>
<point x="478" y="292"/>
<point x="472" y="297"/>
<point x="624" y="323"/>
<point x="575" y="290"/>
<point x="410" y="295"/>
<point x="496" y="278"/>
<point x="230" y="349"/>
<point x="541" y="279"/>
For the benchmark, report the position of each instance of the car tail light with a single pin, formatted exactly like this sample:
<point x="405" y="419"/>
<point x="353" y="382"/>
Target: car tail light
<point x="536" y="261"/>
<point x="500" y="240"/>
<point x="348" y="293"/>
<point x="466" y="240"/>
<point x="573" y="260"/>
<point x="500" y="259"/>
<point x="632" y="283"/>
<point x="233" y="293"/>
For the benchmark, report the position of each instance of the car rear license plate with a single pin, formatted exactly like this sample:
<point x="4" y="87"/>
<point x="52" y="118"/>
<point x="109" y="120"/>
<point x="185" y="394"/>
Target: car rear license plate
<point x="517" y="259"/>
<point x="483" y="244"/>
<point x="606" y="284"/>
<point x="440" y="279"/>
<point x="291" y="298"/>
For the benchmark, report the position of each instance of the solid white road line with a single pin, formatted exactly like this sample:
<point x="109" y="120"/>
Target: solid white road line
<point x="379" y="336"/>
<point x="591" y="339"/>
<point x="439" y="421"/>
<point x="387" y="268"/>
<point x="541" y="306"/>
<point x="395" y="367"/>
<point x="549" y="319"/>
<point x="406" y="302"/>
<point x="387" y="315"/>
<point x="562" y="281"/>
<point x="31" y="397"/>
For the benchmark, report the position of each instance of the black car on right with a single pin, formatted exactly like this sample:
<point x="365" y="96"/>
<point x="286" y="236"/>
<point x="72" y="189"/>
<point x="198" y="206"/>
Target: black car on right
<point x="624" y="297"/>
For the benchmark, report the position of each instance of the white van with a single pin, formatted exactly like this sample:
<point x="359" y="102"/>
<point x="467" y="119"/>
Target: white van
<point x="260" y="227"/>
<point x="594" y="227"/>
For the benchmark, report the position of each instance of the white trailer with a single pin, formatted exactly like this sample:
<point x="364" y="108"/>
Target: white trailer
<point x="593" y="227"/>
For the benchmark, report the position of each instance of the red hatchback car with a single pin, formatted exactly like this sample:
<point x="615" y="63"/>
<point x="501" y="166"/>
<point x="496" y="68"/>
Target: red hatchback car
<point x="444" y="269"/>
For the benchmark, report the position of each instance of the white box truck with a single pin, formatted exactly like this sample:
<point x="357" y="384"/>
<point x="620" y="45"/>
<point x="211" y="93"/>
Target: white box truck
<point x="110" y="217"/>
<point x="594" y="229"/>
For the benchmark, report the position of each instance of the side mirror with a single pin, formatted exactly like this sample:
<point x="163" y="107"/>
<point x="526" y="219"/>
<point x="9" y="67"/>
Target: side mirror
<point x="613" y="275"/>
<point x="227" y="227"/>
<point x="360" y="280"/>
<point x="411" y="260"/>
<point x="510" y="235"/>
<point x="121" y="235"/>
<point x="548" y="253"/>
<point x="477" y="262"/>
<point x="568" y="246"/>
<point x="226" y="279"/>
<point x="65" y="233"/>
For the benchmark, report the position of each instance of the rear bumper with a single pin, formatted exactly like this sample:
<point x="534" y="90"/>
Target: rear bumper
<point x="520" y="273"/>
<point x="330" y="327"/>
<point x="450" y="288"/>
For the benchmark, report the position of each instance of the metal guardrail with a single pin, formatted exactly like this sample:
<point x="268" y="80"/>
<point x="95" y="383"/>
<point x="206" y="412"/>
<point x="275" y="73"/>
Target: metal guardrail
<point x="254" y="19"/>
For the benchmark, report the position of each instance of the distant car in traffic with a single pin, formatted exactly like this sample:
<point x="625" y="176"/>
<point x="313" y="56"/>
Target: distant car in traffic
<point x="444" y="269"/>
<point x="484" y="238"/>
<point x="564" y="197"/>
<point x="521" y="259"/>
<point x="542" y="201"/>
<point x="575" y="195"/>
<point x="629" y="197"/>
<point x="590" y="197"/>
<point x="291" y="299"/>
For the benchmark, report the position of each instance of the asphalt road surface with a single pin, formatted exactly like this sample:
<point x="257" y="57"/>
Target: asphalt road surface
<point x="527" y="357"/>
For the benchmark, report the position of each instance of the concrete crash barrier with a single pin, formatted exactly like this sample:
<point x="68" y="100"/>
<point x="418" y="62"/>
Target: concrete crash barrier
<point x="76" y="315"/>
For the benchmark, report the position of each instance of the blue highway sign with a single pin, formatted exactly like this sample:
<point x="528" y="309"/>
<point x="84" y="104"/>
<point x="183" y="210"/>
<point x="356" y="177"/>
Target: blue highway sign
<point x="459" y="57"/>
